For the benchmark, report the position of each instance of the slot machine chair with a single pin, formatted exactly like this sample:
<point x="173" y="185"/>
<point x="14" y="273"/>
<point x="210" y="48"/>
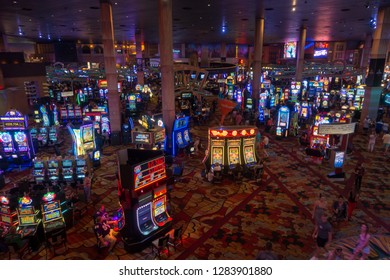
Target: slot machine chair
<point x="56" y="240"/>
<point x="177" y="238"/>
<point x="161" y="246"/>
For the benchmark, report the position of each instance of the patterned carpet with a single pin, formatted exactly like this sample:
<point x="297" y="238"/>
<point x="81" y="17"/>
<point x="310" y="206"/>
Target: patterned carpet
<point x="232" y="220"/>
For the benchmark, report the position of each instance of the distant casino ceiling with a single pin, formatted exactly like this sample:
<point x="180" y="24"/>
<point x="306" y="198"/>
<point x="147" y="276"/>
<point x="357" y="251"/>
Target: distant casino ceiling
<point x="201" y="21"/>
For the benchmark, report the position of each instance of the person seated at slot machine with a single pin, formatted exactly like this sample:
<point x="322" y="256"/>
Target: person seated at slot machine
<point x="237" y="171"/>
<point x="104" y="233"/>
<point x="102" y="212"/>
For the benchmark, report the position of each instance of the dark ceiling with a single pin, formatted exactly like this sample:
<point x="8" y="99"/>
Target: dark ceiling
<point x="199" y="21"/>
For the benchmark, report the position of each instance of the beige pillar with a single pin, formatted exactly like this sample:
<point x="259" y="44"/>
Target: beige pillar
<point x="114" y="106"/>
<point x="378" y="53"/>
<point x="139" y="57"/>
<point x="300" y="55"/>
<point x="258" y="55"/>
<point x="166" y="62"/>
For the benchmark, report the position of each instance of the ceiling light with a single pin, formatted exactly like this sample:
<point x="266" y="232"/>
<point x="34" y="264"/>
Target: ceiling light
<point x="293" y="9"/>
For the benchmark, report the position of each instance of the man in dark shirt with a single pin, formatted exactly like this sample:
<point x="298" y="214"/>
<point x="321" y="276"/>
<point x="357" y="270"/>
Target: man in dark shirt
<point x="323" y="235"/>
<point x="359" y="172"/>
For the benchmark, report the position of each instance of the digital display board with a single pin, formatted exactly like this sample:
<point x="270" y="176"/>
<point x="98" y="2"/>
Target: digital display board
<point x="50" y="206"/>
<point x="149" y="172"/>
<point x="339" y="159"/>
<point x="180" y="123"/>
<point x="290" y="50"/>
<point x="141" y="137"/>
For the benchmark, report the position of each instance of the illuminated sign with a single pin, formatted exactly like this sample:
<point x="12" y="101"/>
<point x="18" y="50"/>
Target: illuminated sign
<point x="49" y="196"/>
<point x="149" y="172"/>
<point x="4" y="200"/>
<point x="232" y="133"/>
<point x="290" y="50"/>
<point x="320" y="53"/>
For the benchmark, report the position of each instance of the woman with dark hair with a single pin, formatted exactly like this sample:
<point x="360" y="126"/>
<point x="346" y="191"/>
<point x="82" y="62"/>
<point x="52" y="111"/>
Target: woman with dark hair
<point x="363" y="247"/>
<point x="319" y="208"/>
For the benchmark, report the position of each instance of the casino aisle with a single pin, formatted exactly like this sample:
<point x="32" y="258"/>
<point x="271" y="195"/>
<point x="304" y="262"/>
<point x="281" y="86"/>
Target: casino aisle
<point x="233" y="220"/>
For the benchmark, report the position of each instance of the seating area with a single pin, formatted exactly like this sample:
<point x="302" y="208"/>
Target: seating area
<point x="162" y="245"/>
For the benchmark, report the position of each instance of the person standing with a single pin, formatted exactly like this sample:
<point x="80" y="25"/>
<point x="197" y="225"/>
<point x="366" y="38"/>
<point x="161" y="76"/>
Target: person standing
<point x="323" y="235"/>
<point x="366" y="124"/>
<point x="386" y="141"/>
<point x="352" y="202"/>
<point x="267" y="253"/>
<point x="359" y="173"/>
<point x="319" y="209"/>
<point x="87" y="187"/>
<point x="363" y="247"/>
<point x="371" y="142"/>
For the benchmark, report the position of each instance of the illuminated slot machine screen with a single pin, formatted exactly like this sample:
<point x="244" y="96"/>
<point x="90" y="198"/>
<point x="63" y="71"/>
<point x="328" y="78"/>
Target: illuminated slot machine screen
<point x="249" y="154"/>
<point x="149" y="172"/>
<point x="283" y="118"/>
<point x="5" y="210"/>
<point x="233" y="152"/>
<point x="87" y="136"/>
<point x="187" y="136"/>
<point x="63" y="113"/>
<point x="21" y="140"/>
<point x="52" y="166"/>
<point x="70" y="112"/>
<point x="26" y="219"/>
<point x="6" y="219"/>
<point x="6" y="141"/>
<point x="52" y="215"/>
<point x="27" y="210"/>
<point x="53" y="134"/>
<point x="304" y="112"/>
<point x="144" y="219"/>
<point x="159" y="206"/>
<point x="217" y="155"/>
<point x="33" y="133"/>
<point x="179" y="139"/>
<point x="52" y="205"/>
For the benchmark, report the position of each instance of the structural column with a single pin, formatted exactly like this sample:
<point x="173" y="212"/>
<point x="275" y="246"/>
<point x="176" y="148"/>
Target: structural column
<point x="258" y="55"/>
<point x="114" y="105"/>
<point x="377" y="65"/>
<point x="166" y="62"/>
<point x="139" y="57"/>
<point x="300" y="55"/>
<point x="223" y="52"/>
<point x="204" y="58"/>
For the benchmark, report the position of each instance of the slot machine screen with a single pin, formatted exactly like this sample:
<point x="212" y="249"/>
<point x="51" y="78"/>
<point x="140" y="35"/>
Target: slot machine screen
<point x="6" y="219"/>
<point x="28" y="210"/>
<point x="5" y="210"/>
<point x="38" y="165"/>
<point x="29" y="219"/>
<point x="159" y="206"/>
<point x="6" y="140"/>
<point x="234" y="155"/>
<point x="55" y="214"/>
<point x="87" y="134"/>
<point x="144" y="214"/>
<point x="67" y="163"/>
<point x="249" y="154"/>
<point x="179" y="138"/>
<point x="80" y="162"/>
<point x="149" y="172"/>
<point x="217" y="155"/>
<point x="186" y="136"/>
<point x="52" y="164"/>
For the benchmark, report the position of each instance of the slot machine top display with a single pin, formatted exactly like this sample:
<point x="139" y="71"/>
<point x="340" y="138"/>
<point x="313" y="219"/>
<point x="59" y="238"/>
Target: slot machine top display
<point x="147" y="173"/>
<point x="232" y="131"/>
<point x="13" y="120"/>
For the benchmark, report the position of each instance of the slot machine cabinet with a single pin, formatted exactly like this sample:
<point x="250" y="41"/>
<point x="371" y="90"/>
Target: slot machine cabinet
<point x="83" y="138"/>
<point x="283" y="122"/>
<point x="15" y="138"/>
<point x="63" y="114"/>
<point x="80" y="169"/>
<point x="53" y="170"/>
<point x="39" y="172"/>
<point x="8" y="215"/>
<point x="52" y="217"/>
<point x="143" y="196"/>
<point x="230" y="145"/>
<point x="28" y="217"/>
<point x="67" y="170"/>
<point x="43" y="136"/>
<point x="181" y="136"/>
<point x="53" y="135"/>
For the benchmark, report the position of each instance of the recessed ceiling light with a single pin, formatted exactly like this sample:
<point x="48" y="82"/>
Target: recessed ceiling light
<point x="15" y="2"/>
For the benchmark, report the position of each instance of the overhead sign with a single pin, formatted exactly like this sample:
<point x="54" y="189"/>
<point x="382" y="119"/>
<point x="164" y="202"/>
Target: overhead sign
<point x="336" y="128"/>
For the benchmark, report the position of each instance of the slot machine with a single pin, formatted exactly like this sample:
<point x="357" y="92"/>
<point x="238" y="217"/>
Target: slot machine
<point x="63" y="114"/>
<point x="106" y="124"/>
<point x="233" y="152"/>
<point x="180" y="134"/>
<point x="34" y="133"/>
<point x="28" y="217"/>
<point x="67" y="170"/>
<point x="217" y="152"/>
<point x="39" y="171"/>
<point x="53" y="170"/>
<point x="8" y="215"/>
<point x="52" y="216"/>
<point x="71" y="114"/>
<point x="54" y="111"/>
<point x="249" y="151"/>
<point x="83" y="138"/>
<point x="78" y="113"/>
<point x="325" y="100"/>
<point x="7" y="145"/>
<point x="143" y="196"/>
<point x="45" y="116"/>
<point x="283" y="122"/>
<point x="80" y="169"/>
<point x="53" y="135"/>
<point x="43" y="136"/>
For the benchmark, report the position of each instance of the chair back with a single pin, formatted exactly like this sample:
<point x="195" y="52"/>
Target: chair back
<point x="163" y="241"/>
<point x="178" y="232"/>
